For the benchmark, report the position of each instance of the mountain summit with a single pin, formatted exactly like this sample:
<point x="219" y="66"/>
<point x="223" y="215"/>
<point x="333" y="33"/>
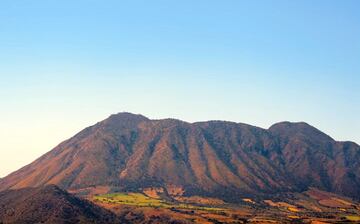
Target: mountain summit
<point x="215" y="158"/>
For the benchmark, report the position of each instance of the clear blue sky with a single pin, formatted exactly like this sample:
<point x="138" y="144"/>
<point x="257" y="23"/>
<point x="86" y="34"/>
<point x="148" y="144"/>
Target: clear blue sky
<point x="65" y="65"/>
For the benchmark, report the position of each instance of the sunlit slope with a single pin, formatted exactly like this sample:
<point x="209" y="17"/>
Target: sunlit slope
<point x="216" y="158"/>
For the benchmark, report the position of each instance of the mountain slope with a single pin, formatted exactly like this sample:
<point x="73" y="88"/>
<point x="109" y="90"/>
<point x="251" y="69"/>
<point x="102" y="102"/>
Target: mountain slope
<point x="217" y="158"/>
<point x="319" y="161"/>
<point x="49" y="204"/>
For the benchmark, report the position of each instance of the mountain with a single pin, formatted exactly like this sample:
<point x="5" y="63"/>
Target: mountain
<point x="49" y="204"/>
<point x="215" y="158"/>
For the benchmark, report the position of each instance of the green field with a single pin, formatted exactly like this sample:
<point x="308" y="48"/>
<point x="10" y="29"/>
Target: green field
<point x="353" y="218"/>
<point x="138" y="199"/>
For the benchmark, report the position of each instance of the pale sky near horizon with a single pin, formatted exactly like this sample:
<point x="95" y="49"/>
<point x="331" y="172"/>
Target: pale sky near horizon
<point x="65" y="65"/>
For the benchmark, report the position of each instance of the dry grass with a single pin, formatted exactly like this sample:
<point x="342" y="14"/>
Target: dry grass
<point x="138" y="199"/>
<point x="249" y="200"/>
<point x="353" y="218"/>
<point x="288" y="206"/>
<point x="333" y="203"/>
<point x="153" y="192"/>
<point x="293" y="209"/>
<point x="200" y="200"/>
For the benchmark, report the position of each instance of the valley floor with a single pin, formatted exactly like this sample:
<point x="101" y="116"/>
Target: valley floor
<point x="313" y="206"/>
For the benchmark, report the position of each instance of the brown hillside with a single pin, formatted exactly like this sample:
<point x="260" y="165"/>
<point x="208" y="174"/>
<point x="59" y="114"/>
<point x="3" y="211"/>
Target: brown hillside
<point x="49" y="204"/>
<point x="216" y="158"/>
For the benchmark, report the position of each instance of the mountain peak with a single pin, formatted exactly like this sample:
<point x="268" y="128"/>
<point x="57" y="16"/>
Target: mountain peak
<point x="128" y="151"/>
<point x="287" y="128"/>
<point x="128" y="115"/>
<point x="123" y="120"/>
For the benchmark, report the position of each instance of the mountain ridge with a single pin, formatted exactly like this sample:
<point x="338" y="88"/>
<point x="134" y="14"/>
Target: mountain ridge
<point x="216" y="158"/>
